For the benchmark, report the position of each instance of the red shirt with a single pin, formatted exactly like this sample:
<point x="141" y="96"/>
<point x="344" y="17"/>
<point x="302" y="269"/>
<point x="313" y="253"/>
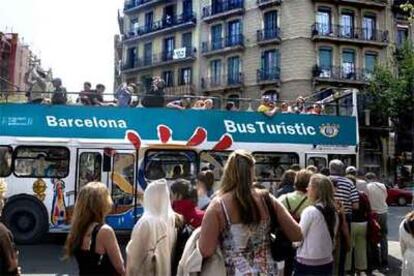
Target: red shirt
<point x="188" y="209"/>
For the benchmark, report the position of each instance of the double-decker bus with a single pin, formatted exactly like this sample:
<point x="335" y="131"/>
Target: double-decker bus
<point x="48" y="152"/>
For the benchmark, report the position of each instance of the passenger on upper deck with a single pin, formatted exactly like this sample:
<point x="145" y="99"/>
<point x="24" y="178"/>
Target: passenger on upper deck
<point x="267" y="106"/>
<point x="183" y="103"/>
<point x="85" y="95"/>
<point x="97" y="95"/>
<point x="299" y="105"/>
<point x="124" y="94"/>
<point x="59" y="94"/>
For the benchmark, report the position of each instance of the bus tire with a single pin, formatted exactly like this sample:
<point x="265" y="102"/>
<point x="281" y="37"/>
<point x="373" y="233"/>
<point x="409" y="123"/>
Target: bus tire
<point x="26" y="217"/>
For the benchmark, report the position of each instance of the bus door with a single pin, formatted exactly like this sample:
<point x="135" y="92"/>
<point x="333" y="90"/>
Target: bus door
<point x="90" y="167"/>
<point x="126" y="198"/>
<point x="318" y="160"/>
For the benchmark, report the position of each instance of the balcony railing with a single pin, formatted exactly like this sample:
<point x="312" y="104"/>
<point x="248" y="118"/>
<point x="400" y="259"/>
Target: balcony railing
<point x="348" y="32"/>
<point x="136" y="3"/>
<point x="165" y="23"/>
<point x="342" y="73"/>
<point x="266" y="3"/>
<point x="222" y="43"/>
<point x="158" y="59"/>
<point x="222" y="7"/>
<point x="222" y="81"/>
<point x="268" y="75"/>
<point x="268" y="34"/>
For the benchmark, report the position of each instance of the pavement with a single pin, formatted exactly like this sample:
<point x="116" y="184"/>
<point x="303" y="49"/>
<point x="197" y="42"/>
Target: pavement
<point x="46" y="258"/>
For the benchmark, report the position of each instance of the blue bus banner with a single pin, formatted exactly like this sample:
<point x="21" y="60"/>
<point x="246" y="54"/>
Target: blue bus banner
<point x="26" y="120"/>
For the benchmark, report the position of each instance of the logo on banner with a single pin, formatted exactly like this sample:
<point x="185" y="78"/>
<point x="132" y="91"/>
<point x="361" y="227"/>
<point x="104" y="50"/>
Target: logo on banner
<point x="329" y="130"/>
<point x="179" y="53"/>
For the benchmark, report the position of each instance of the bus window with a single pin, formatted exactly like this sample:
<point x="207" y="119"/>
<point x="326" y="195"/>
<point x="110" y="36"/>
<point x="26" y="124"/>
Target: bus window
<point x="90" y="166"/>
<point x="123" y="179"/>
<point x="348" y="159"/>
<point x="214" y="161"/>
<point x="270" y="166"/>
<point x="5" y="160"/>
<point x="170" y="164"/>
<point x="39" y="161"/>
<point x="317" y="161"/>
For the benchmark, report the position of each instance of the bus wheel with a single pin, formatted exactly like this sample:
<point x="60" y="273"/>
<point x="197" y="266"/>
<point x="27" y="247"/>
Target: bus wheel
<point x="26" y="217"/>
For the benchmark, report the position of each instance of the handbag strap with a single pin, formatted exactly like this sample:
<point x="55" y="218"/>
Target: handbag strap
<point x="270" y="209"/>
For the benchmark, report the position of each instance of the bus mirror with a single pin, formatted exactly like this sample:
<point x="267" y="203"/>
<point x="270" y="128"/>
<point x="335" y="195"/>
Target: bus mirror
<point x="107" y="163"/>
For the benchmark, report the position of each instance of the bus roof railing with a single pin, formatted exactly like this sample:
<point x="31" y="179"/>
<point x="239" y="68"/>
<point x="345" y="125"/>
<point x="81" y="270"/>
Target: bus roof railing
<point x="332" y="105"/>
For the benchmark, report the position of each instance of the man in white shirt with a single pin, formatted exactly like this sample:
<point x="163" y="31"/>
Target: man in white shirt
<point x="377" y="195"/>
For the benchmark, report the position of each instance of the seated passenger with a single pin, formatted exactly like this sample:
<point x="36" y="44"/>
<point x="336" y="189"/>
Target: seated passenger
<point x="285" y="108"/>
<point x="231" y="106"/>
<point x="299" y="105"/>
<point x="97" y="96"/>
<point x="184" y="103"/>
<point x="199" y="105"/>
<point x="84" y="96"/>
<point x="317" y="109"/>
<point x="267" y="107"/>
<point x="208" y="104"/>
<point x="59" y="93"/>
<point x="124" y="93"/>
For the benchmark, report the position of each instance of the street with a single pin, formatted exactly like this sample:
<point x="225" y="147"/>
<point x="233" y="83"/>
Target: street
<point x="46" y="259"/>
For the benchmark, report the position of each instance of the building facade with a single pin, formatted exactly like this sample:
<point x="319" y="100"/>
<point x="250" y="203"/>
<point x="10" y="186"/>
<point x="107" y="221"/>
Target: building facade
<point x="234" y="49"/>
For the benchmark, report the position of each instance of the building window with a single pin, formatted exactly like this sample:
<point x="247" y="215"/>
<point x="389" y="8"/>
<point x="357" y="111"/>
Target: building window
<point x="234" y="33"/>
<point x="187" y="9"/>
<point x="216" y="37"/>
<point x="347" y="24"/>
<point x="169" y="15"/>
<point x="215" y="71"/>
<point x="148" y="53"/>
<point x="369" y="27"/>
<point x="325" y="62"/>
<point x="187" y="40"/>
<point x="323" y="21"/>
<point x="348" y="64"/>
<point x="168" y="77"/>
<point x="149" y="20"/>
<point x="131" y="57"/>
<point x="402" y="36"/>
<point x="233" y="70"/>
<point x="370" y="61"/>
<point x="270" y="24"/>
<point x="185" y="76"/>
<point x="270" y="64"/>
<point x="169" y="45"/>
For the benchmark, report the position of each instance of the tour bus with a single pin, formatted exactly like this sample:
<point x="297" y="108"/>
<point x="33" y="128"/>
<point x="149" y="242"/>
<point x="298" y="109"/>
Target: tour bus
<point x="48" y="152"/>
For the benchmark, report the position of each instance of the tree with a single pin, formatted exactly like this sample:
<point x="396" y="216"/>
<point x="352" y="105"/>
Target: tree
<point x="391" y="89"/>
<point x="408" y="7"/>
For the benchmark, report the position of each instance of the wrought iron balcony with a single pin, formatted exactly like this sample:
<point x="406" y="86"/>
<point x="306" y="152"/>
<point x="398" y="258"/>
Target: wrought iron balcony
<point x="221" y="82"/>
<point x="345" y="73"/>
<point x="225" y="44"/>
<point x="349" y="34"/>
<point x="168" y="23"/>
<point x="379" y="4"/>
<point x="267" y="3"/>
<point x="270" y="75"/>
<point x="135" y="5"/>
<point x="166" y="57"/>
<point x="266" y="36"/>
<point x="222" y="9"/>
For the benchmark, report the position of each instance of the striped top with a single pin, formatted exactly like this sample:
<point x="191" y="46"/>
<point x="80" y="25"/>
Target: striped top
<point x="346" y="192"/>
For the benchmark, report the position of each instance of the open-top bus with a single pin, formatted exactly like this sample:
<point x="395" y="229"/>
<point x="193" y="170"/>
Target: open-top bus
<point x="48" y="152"/>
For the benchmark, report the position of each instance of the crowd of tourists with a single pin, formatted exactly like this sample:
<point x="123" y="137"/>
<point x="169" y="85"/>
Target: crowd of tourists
<point x="330" y="221"/>
<point x="155" y="97"/>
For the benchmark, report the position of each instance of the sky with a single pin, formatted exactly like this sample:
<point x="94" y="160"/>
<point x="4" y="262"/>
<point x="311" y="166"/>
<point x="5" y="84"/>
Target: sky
<point x="73" y="37"/>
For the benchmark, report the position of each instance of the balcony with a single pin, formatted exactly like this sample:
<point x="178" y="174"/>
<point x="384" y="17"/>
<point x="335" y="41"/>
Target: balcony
<point x="263" y="4"/>
<point x="222" y="82"/>
<point x="268" y="36"/>
<point x="347" y="34"/>
<point x="222" y="9"/>
<point x="179" y="90"/>
<point x="167" y="24"/>
<point x="269" y="76"/>
<point x="160" y="59"/>
<point x="341" y="75"/>
<point x="378" y="4"/>
<point x="223" y="45"/>
<point x="137" y="5"/>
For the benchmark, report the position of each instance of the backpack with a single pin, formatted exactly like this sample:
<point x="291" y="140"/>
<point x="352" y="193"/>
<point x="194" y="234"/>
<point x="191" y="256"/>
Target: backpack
<point x="294" y="212"/>
<point x="59" y="97"/>
<point x="183" y="234"/>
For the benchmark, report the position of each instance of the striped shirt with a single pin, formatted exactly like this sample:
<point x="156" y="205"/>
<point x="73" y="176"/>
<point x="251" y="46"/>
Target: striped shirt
<point x="346" y="192"/>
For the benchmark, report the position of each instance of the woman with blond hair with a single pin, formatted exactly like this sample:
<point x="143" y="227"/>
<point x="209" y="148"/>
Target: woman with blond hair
<point x="149" y="252"/>
<point x="90" y="240"/>
<point x="238" y="221"/>
<point x="319" y="223"/>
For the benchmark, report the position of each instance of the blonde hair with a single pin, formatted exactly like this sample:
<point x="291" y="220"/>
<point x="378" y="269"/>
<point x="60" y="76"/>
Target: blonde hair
<point x="92" y="205"/>
<point x="238" y="178"/>
<point x="324" y="189"/>
<point x="3" y="190"/>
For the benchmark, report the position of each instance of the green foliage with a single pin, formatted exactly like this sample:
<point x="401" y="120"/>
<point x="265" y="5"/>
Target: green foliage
<point x="392" y="85"/>
<point x="409" y="9"/>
